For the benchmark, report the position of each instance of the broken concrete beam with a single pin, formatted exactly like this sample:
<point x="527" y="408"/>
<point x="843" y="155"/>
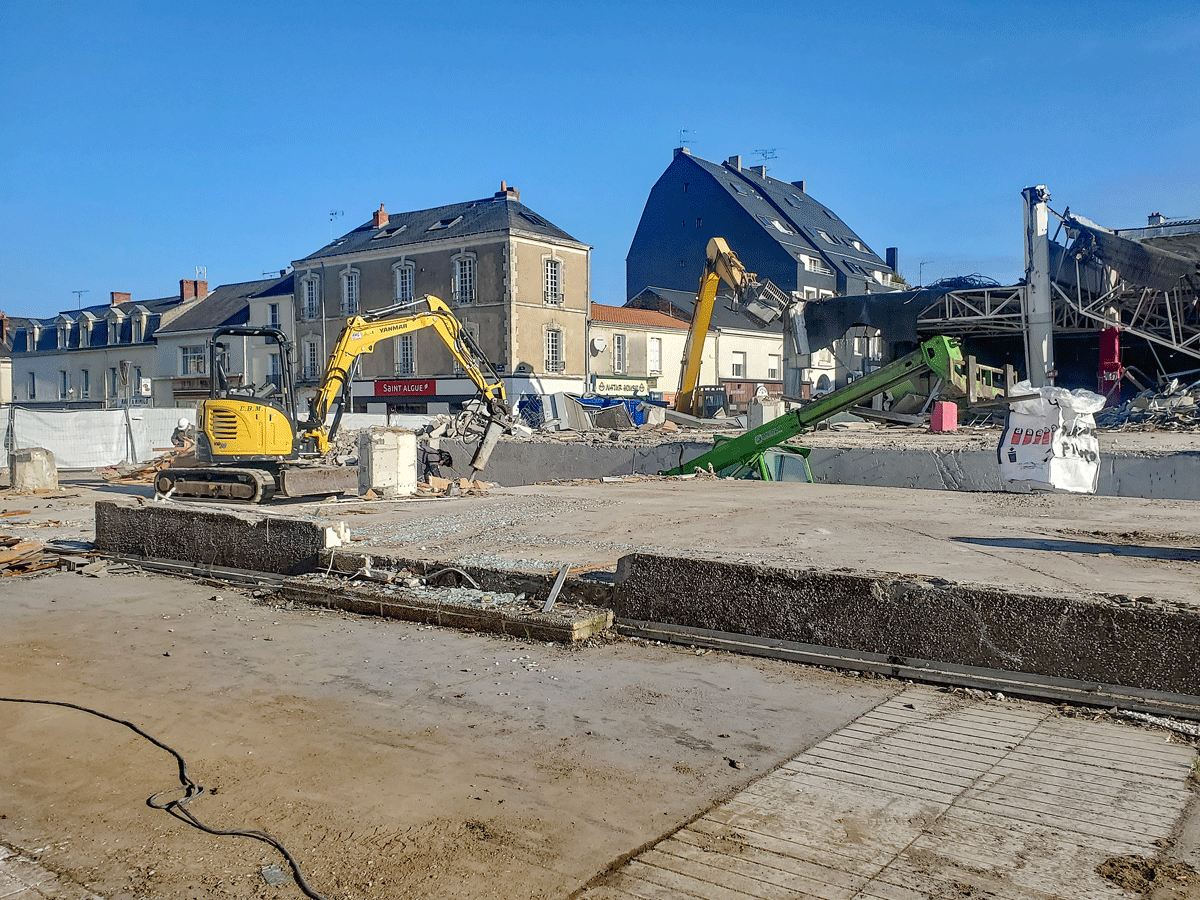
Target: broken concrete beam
<point x="1102" y="640"/>
<point x="33" y="469"/>
<point x="394" y="603"/>
<point x="256" y="541"/>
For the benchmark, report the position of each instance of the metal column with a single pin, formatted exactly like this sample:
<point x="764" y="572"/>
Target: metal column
<point x="1039" y="309"/>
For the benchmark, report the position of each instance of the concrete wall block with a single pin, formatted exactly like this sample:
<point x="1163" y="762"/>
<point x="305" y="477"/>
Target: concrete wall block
<point x="1103" y="640"/>
<point x="387" y="462"/>
<point x="33" y="469"/>
<point x="252" y="540"/>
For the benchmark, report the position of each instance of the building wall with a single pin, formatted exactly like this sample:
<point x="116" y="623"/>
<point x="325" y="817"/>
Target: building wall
<point x="638" y="354"/>
<point x="509" y="316"/>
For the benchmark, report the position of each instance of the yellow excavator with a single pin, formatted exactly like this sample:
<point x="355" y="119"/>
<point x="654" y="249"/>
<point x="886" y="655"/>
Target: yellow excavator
<point x="722" y="265"/>
<point x="250" y="443"/>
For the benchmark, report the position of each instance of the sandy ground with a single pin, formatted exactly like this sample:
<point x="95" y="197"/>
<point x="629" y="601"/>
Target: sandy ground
<point x="392" y="760"/>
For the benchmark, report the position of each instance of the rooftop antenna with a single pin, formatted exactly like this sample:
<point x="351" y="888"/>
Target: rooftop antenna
<point x="333" y="214"/>
<point x="682" y="140"/>
<point x="768" y="153"/>
<point x="202" y="273"/>
<point x="921" y="271"/>
<point x="79" y="298"/>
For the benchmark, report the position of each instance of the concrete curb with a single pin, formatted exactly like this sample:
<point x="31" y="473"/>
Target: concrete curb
<point x="1140" y="644"/>
<point x="222" y="537"/>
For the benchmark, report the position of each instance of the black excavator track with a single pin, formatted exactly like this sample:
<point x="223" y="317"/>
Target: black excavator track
<point x="245" y="485"/>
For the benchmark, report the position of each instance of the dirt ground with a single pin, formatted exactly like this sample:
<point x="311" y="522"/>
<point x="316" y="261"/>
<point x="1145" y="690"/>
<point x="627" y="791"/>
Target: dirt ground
<point x="392" y="760"/>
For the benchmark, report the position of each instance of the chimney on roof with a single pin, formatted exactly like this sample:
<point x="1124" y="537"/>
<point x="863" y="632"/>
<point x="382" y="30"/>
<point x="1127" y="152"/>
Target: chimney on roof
<point x="799" y="184"/>
<point x="683" y="150"/>
<point x="507" y="193"/>
<point x="380" y="218"/>
<point x="3" y="330"/>
<point x="893" y="258"/>
<point x="190" y="289"/>
<point x="760" y="171"/>
<point x="1156" y="218"/>
<point x="735" y="163"/>
<point x="116" y="298"/>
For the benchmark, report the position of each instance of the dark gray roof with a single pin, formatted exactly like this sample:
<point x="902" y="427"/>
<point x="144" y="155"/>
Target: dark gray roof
<point x="228" y="304"/>
<point x="680" y="304"/>
<point x="803" y="219"/>
<point x="493" y="215"/>
<point x="48" y="335"/>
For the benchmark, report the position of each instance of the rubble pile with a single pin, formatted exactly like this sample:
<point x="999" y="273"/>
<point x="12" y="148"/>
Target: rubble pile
<point x="1174" y="406"/>
<point x="19" y="556"/>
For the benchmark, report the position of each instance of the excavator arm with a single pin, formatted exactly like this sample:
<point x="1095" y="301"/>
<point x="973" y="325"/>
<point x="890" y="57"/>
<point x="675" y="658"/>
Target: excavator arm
<point x="722" y="265"/>
<point x="362" y="333"/>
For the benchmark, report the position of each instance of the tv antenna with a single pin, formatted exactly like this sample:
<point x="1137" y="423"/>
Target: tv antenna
<point x="333" y="214"/>
<point x="921" y="270"/>
<point x="202" y="273"/>
<point x="768" y="153"/>
<point x="79" y="298"/>
<point x="682" y="139"/>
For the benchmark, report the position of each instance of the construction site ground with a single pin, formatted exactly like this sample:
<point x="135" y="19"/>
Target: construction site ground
<point x="397" y="760"/>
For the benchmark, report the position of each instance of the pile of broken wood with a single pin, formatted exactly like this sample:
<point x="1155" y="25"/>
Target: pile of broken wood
<point x="1173" y="406"/>
<point x="143" y="473"/>
<point x="19" y="556"/>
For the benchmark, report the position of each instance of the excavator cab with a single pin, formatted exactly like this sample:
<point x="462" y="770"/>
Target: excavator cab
<point x="242" y="421"/>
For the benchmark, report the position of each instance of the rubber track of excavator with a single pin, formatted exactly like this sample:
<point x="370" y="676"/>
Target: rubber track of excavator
<point x="245" y="485"/>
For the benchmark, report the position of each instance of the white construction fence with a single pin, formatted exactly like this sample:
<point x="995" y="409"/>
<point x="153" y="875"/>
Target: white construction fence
<point x="95" y="438"/>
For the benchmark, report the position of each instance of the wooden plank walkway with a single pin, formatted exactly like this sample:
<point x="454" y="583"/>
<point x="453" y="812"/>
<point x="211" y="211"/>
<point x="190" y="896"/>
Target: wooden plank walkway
<point x="930" y="795"/>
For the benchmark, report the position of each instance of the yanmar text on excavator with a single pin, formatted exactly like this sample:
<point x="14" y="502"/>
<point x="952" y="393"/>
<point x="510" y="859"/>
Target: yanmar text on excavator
<point x="250" y="442"/>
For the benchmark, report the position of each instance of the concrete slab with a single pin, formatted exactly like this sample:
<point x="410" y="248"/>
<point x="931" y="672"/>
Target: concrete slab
<point x="211" y="534"/>
<point x="930" y="796"/>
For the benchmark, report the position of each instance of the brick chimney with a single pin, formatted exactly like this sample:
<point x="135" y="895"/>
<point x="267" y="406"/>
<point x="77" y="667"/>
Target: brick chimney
<point x="380" y="218"/>
<point x="191" y="289"/>
<point x="3" y="330"/>
<point x="116" y="298"/>
<point x="507" y="193"/>
<point x="1155" y="219"/>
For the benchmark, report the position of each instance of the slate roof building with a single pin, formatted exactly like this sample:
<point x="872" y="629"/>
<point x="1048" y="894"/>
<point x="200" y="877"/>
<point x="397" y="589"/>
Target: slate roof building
<point x="181" y="364"/>
<point x="778" y="230"/>
<point x="518" y="283"/>
<point x="93" y="357"/>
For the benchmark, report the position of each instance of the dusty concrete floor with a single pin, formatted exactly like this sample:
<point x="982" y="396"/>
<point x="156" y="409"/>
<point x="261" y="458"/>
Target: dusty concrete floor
<point x="392" y="760"/>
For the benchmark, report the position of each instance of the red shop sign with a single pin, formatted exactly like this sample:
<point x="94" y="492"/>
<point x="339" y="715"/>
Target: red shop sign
<point x="393" y="387"/>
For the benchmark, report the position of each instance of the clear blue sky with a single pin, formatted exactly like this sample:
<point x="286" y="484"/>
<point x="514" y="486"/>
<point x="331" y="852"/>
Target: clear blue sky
<point x="142" y="140"/>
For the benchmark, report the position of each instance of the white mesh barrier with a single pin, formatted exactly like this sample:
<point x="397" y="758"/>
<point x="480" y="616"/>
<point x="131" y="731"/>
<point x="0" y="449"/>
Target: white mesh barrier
<point x="92" y="438"/>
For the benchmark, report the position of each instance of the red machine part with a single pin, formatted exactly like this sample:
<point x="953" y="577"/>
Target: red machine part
<point x="1110" y="372"/>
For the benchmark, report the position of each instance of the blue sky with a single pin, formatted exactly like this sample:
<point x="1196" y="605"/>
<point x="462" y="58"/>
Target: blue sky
<point x="142" y="140"/>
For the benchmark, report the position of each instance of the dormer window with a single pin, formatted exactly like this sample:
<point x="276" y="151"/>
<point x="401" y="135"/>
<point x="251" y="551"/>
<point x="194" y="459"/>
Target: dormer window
<point x="64" y="336"/>
<point x="139" y="329"/>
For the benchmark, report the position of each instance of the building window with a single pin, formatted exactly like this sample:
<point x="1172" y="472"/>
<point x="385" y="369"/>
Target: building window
<point x="810" y="293"/>
<point x="137" y="330"/>
<point x="403" y="273"/>
<point x="619" y="355"/>
<point x="191" y="360"/>
<point x="739" y="364"/>
<point x="114" y="331"/>
<point x="32" y="386"/>
<point x="772" y="222"/>
<point x="464" y="279"/>
<point x="554" y="350"/>
<point x="406" y="357"/>
<point x="62" y="384"/>
<point x="552" y="285"/>
<point x="272" y="315"/>
<point x="137" y="379"/>
<point x="274" y="372"/>
<point x="655" y="366"/>
<point x="310" y="297"/>
<point x="773" y="366"/>
<point x="817" y="265"/>
<point x="85" y="384"/>
<point x="112" y="382"/>
<point x="64" y="336"/>
<point x="311" y="360"/>
<point x="350" y="293"/>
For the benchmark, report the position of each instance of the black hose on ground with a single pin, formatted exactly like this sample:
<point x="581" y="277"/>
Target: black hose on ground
<point x="191" y="790"/>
